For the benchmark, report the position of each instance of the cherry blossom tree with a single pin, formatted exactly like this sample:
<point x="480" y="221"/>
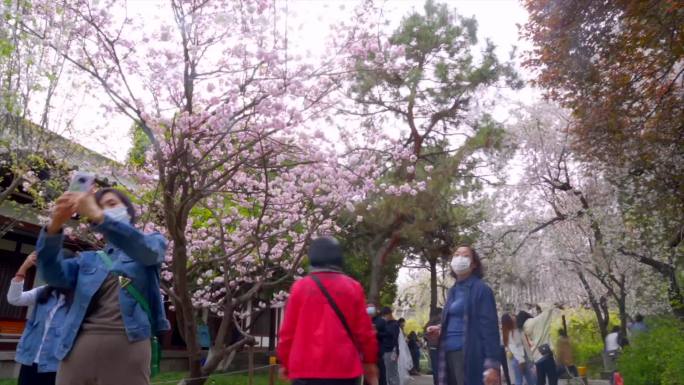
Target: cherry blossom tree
<point x="33" y="157"/>
<point x="576" y="224"/>
<point x="238" y="174"/>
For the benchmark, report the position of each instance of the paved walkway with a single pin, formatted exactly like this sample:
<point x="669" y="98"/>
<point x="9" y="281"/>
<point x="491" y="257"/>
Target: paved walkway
<point x="421" y="380"/>
<point x="427" y="380"/>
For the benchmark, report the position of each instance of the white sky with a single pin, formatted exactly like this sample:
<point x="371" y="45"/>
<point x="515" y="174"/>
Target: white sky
<point x="309" y="22"/>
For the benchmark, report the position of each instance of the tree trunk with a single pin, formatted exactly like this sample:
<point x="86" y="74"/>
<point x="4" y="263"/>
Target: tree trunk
<point x="622" y="305"/>
<point x="187" y="311"/>
<point x="433" y="285"/>
<point x="598" y="305"/>
<point x="675" y="296"/>
<point x="183" y="301"/>
<point x="674" y="291"/>
<point x="376" y="268"/>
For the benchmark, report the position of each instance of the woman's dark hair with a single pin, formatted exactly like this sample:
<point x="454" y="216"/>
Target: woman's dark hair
<point x="521" y="318"/>
<point x="479" y="270"/>
<point x="122" y="197"/>
<point x="507" y="326"/>
<point x="47" y="291"/>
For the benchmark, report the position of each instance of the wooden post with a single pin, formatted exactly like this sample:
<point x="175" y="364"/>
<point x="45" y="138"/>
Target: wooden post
<point x="271" y="344"/>
<point x="250" y="367"/>
<point x="272" y="362"/>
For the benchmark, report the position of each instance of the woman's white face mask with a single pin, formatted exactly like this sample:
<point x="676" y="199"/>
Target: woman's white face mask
<point x="460" y="264"/>
<point x="118" y="213"/>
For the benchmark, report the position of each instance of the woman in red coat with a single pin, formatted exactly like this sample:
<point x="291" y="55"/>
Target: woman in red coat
<point x="314" y="345"/>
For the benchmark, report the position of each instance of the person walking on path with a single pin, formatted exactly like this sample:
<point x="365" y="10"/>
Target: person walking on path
<point x="378" y="324"/>
<point x="566" y="360"/>
<point x="327" y="336"/>
<point x="613" y="347"/>
<point x="405" y="362"/>
<point x="470" y="348"/>
<point x="523" y="368"/>
<point x="390" y="347"/>
<point x="432" y="340"/>
<point x="381" y="330"/>
<point x="537" y="337"/>
<point x="638" y="326"/>
<point x="117" y="307"/>
<point x="414" y="347"/>
<point x="36" y="348"/>
<point x="507" y="327"/>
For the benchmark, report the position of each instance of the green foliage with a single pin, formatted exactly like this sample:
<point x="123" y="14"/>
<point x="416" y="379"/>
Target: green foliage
<point x="141" y="142"/>
<point x="413" y="325"/>
<point x="655" y="357"/>
<point x="357" y="264"/>
<point x="585" y="335"/>
<point x="438" y="44"/>
<point x="6" y="48"/>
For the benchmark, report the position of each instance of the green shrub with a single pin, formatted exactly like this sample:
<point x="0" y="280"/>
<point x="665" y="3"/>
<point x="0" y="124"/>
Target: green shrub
<point x="587" y="343"/>
<point x="655" y="357"/>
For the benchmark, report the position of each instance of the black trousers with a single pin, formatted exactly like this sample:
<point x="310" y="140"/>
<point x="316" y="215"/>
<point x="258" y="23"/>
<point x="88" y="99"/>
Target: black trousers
<point x="434" y="362"/>
<point x="504" y="366"/>
<point x="546" y="369"/>
<point x="28" y="375"/>
<point x="326" y="381"/>
<point x="382" y="378"/>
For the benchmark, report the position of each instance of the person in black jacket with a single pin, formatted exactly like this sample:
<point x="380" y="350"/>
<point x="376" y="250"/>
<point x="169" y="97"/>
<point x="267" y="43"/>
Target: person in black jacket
<point x="414" y="347"/>
<point x="390" y="346"/>
<point x="380" y="329"/>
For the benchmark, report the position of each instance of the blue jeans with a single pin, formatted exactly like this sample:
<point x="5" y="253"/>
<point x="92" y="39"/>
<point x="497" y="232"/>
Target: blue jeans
<point x="527" y="374"/>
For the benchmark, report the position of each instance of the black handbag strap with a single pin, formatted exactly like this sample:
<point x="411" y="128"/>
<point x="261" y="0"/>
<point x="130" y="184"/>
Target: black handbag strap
<point x="337" y="310"/>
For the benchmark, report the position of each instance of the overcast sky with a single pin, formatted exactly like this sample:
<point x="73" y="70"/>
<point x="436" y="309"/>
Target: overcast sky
<point x="309" y="22"/>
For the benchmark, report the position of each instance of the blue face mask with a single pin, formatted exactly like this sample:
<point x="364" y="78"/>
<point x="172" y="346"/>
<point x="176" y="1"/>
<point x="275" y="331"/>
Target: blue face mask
<point x="119" y="214"/>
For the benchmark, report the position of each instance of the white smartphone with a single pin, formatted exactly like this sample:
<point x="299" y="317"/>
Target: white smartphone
<point x="82" y="182"/>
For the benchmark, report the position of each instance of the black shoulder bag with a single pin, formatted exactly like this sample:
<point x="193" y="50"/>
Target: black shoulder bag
<point x="337" y="310"/>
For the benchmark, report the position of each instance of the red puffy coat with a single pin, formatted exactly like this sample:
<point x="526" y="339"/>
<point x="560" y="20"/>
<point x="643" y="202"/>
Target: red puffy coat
<point x="312" y="341"/>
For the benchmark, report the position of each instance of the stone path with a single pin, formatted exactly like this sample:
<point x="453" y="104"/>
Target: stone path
<point x="421" y="380"/>
<point x="427" y="380"/>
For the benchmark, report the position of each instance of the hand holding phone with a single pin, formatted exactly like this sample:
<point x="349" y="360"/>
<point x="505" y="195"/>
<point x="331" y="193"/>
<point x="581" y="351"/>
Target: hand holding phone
<point x="63" y="210"/>
<point x="82" y="182"/>
<point x="82" y="188"/>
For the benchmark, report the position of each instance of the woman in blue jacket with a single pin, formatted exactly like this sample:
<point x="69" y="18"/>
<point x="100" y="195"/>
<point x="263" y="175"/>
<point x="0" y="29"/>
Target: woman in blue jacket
<point x="36" y="348"/>
<point x="106" y="334"/>
<point x="469" y="352"/>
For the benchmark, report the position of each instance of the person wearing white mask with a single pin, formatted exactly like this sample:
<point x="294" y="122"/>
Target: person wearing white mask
<point x="108" y="337"/>
<point x="469" y="348"/>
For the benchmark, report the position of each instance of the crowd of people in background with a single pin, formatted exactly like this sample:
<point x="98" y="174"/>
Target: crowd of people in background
<point x="352" y="340"/>
<point x="465" y="342"/>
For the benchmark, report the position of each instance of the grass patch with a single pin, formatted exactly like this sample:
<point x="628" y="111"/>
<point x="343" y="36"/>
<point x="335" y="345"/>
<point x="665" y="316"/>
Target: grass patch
<point x="216" y="379"/>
